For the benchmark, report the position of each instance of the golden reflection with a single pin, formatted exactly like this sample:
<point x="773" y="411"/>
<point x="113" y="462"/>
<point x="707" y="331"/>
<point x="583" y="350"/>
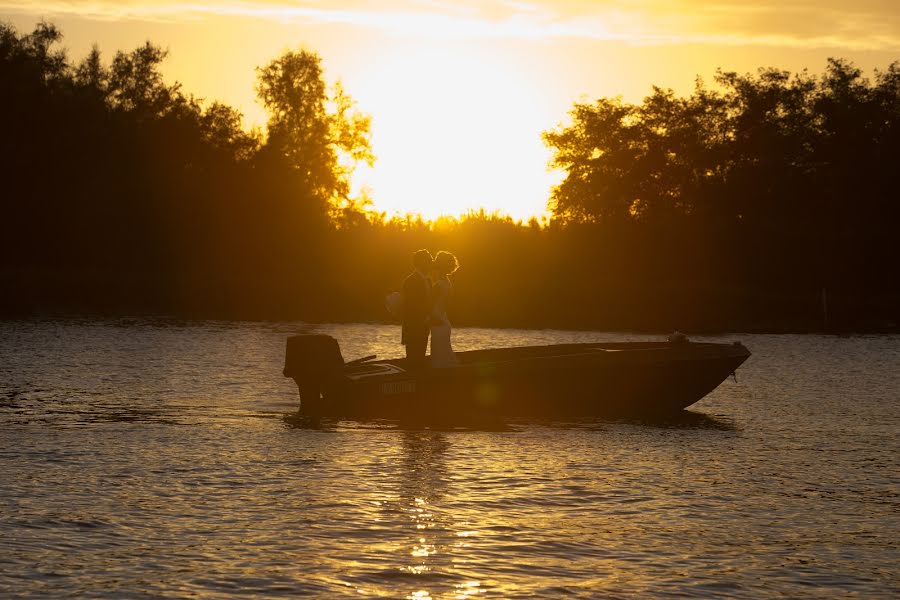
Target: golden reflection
<point x="433" y="536"/>
<point x="468" y="589"/>
<point x="423" y="483"/>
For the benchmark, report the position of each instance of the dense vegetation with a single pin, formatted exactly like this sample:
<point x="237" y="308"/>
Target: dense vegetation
<point x="731" y="208"/>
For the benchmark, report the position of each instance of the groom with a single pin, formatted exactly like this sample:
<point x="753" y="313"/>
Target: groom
<point x="417" y="309"/>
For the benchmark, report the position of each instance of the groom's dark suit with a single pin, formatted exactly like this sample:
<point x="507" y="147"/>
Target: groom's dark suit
<point x="416" y="317"/>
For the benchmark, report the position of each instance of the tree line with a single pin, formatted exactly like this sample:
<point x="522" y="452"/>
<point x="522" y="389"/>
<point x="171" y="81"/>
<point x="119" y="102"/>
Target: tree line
<point x="732" y="208"/>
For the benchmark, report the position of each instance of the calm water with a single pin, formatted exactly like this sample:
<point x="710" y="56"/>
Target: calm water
<point x="150" y="459"/>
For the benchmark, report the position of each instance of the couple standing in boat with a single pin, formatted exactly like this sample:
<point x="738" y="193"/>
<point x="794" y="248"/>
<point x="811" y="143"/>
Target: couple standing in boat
<point x="426" y="292"/>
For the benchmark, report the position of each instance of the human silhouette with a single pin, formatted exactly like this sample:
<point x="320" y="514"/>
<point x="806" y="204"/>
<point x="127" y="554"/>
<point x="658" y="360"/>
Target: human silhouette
<point x="417" y="303"/>
<point x="442" y="355"/>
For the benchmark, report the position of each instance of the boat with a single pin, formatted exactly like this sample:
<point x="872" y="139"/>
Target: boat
<point x="558" y="381"/>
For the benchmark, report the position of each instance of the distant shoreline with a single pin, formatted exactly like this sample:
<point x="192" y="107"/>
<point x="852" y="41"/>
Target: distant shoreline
<point x="768" y="205"/>
<point x="139" y="318"/>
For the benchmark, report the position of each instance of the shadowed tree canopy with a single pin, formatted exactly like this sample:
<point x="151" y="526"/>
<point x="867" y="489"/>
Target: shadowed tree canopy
<point x="315" y="131"/>
<point x="731" y="207"/>
<point x="770" y="148"/>
<point x="795" y="168"/>
<point x="135" y="83"/>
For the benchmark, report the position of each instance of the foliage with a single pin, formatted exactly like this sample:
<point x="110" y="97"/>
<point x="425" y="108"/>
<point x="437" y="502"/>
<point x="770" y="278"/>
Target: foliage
<point x="732" y="207"/>
<point x="791" y="170"/>
<point x="305" y="133"/>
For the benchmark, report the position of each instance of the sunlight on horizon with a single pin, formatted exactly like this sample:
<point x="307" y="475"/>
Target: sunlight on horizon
<point x="460" y="130"/>
<point x="460" y="92"/>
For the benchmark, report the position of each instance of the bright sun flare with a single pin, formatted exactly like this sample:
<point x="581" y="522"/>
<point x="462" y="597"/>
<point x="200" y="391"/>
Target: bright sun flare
<point x="454" y="129"/>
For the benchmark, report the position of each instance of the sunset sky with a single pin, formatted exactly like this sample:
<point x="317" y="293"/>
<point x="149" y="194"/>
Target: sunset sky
<point x="460" y="91"/>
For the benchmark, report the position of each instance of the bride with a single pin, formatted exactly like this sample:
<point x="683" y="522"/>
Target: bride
<point x="441" y="351"/>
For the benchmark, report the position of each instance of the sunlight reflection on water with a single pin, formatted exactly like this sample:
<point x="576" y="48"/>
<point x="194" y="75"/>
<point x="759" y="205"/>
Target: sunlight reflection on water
<point x="149" y="459"/>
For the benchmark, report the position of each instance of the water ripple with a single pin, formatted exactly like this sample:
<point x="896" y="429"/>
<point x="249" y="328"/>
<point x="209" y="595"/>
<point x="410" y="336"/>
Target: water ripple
<point x="150" y="459"/>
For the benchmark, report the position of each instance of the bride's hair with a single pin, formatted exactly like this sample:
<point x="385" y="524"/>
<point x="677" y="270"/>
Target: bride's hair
<point x="445" y="263"/>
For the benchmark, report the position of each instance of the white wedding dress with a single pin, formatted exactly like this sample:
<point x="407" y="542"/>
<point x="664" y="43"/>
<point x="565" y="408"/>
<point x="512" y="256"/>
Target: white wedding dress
<point x="442" y="355"/>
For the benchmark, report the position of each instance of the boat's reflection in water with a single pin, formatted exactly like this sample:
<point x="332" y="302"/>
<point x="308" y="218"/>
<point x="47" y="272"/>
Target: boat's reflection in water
<point x="437" y="547"/>
<point x="685" y="419"/>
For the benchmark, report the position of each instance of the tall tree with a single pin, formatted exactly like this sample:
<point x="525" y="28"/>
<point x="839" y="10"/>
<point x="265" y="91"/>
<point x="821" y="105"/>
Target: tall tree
<point x="314" y="130"/>
<point x="136" y="82"/>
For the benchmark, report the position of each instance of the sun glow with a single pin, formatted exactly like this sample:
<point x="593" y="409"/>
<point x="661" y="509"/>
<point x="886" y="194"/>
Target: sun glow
<point x="455" y="128"/>
<point x="459" y="92"/>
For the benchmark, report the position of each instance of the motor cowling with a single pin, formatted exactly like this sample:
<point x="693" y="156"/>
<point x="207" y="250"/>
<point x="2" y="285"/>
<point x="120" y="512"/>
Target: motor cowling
<point x="311" y="360"/>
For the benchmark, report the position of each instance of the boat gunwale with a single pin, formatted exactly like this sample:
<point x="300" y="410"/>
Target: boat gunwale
<point x="736" y="350"/>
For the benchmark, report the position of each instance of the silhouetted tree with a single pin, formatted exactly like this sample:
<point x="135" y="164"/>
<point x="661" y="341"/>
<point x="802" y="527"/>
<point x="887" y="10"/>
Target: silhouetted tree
<point x="730" y="207"/>
<point x="304" y="132"/>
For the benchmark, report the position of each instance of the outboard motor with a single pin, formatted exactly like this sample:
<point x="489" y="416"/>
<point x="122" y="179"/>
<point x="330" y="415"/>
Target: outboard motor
<point x="311" y="360"/>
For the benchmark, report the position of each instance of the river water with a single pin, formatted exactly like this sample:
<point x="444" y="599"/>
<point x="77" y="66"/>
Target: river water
<point x="148" y="459"/>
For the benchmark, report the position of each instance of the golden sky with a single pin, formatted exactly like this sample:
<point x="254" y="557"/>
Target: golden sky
<point x="460" y="91"/>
